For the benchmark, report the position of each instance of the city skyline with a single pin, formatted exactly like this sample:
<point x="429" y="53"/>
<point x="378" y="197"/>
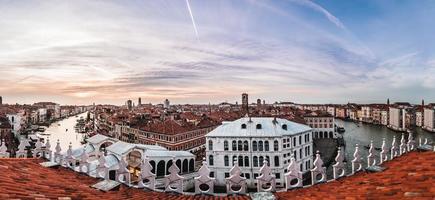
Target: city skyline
<point x="206" y="51"/>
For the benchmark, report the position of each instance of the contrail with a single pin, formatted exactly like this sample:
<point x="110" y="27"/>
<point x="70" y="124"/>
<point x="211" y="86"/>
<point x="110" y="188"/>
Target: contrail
<point x="193" y="20"/>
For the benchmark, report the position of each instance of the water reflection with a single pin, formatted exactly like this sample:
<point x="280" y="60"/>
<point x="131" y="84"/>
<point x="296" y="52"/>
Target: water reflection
<point x="58" y="131"/>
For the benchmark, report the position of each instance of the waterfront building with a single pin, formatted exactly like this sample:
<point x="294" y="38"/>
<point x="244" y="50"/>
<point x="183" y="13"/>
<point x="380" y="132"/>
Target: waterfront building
<point x="6" y="132"/>
<point x="397" y="116"/>
<point x="385" y="117"/>
<point x="16" y="121"/>
<point x="322" y="124"/>
<point x="252" y="140"/>
<point x="341" y="112"/>
<point x="429" y="118"/>
<point x="331" y="110"/>
<point x="367" y="114"/>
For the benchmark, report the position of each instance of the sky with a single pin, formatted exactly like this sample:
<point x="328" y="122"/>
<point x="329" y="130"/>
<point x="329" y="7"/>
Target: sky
<point x="201" y="51"/>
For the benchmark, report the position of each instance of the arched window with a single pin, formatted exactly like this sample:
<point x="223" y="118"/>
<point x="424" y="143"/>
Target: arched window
<point x="330" y="134"/>
<point x="243" y="126"/>
<point x="260" y="146"/>
<point x="260" y="161"/>
<point x="275" y="145"/>
<point x="284" y="126"/>
<point x="240" y="160"/>
<point x="316" y="135"/>
<point x="245" y="146"/>
<point x="234" y="160"/>
<point x="185" y="166"/>
<point x="258" y="126"/>
<point x="168" y="164"/>
<point x="294" y="141"/>
<point x="276" y="161"/>
<point x="234" y="144"/>
<point x="178" y="163"/>
<point x="300" y="139"/>
<point x="254" y="146"/>
<point x="191" y="165"/>
<point x="268" y="160"/>
<point x="255" y="161"/>
<point x="160" y="168"/>
<point x="246" y="161"/>
<point x="226" y="161"/>
<point x="300" y="153"/>
<point x="153" y="164"/>
<point x="239" y="145"/>
<point x="266" y="145"/>
<point x="210" y="145"/>
<point x="225" y="145"/>
<point x="210" y="160"/>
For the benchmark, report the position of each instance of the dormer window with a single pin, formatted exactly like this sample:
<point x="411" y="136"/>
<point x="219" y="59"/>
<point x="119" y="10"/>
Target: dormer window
<point x="243" y="126"/>
<point x="284" y="126"/>
<point x="258" y="126"/>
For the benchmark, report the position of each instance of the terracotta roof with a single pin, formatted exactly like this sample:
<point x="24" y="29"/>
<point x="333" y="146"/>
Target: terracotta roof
<point x="26" y="179"/>
<point x="408" y="177"/>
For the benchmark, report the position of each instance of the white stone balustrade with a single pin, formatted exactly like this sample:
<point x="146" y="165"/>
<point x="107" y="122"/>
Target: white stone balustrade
<point x="58" y="157"/>
<point x="236" y="184"/>
<point x="411" y="142"/>
<point x="122" y="174"/>
<point x="102" y="170"/>
<point x="84" y="162"/>
<point x="147" y="179"/>
<point x="339" y="168"/>
<point x="318" y="170"/>
<point x="293" y="173"/>
<point x="357" y="160"/>
<point x="371" y="160"/>
<point x="69" y="160"/>
<point x="394" y="148"/>
<point x="37" y="152"/>
<point x="173" y="181"/>
<point x="3" y="150"/>
<point x="47" y="151"/>
<point x="266" y="179"/>
<point x="204" y="180"/>
<point x="22" y="152"/>
<point x="402" y="146"/>
<point x="384" y="151"/>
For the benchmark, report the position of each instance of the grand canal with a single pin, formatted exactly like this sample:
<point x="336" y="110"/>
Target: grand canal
<point x="362" y="134"/>
<point x="65" y="132"/>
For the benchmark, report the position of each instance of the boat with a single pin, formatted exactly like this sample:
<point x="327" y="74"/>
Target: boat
<point x="66" y="130"/>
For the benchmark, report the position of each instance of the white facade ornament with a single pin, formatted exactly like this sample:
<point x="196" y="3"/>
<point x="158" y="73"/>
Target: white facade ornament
<point x="57" y="154"/>
<point x="339" y="169"/>
<point x="3" y="150"/>
<point x="293" y="172"/>
<point x="173" y="181"/>
<point x="318" y="170"/>
<point x="122" y="174"/>
<point x="425" y="141"/>
<point x="69" y="158"/>
<point x="37" y="152"/>
<point x="357" y="160"/>
<point x="371" y="160"/>
<point x="22" y="152"/>
<point x="402" y="146"/>
<point x="47" y="151"/>
<point x="147" y="179"/>
<point x="267" y="178"/>
<point x="411" y="142"/>
<point x="204" y="179"/>
<point x="84" y="162"/>
<point x="384" y="151"/>
<point x="102" y="170"/>
<point x="394" y="148"/>
<point x="236" y="184"/>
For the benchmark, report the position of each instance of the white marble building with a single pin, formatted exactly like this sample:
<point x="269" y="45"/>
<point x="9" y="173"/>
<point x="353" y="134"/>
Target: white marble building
<point x="429" y="118"/>
<point x="253" y="140"/>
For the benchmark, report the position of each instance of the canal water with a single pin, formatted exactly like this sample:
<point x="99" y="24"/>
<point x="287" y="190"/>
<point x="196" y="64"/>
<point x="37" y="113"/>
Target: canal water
<point x="58" y="131"/>
<point x="362" y="134"/>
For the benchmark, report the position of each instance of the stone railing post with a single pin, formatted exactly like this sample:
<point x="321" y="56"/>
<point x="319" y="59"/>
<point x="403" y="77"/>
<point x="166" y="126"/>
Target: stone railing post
<point x="84" y="162"/>
<point x="58" y="158"/>
<point x="402" y="146"/>
<point x="102" y="168"/>
<point x="22" y="152"/>
<point x="371" y="160"/>
<point x="3" y="150"/>
<point x="37" y="152"/>
<point x="204" y="180"/>
<point x="318" y="170"/>
<point x="122" y="174"/>
<point x="384" y="151"/>
<point x="267" y="178"/>
<point x="47" y="151"/>
<point x="147" y="179"/>
<point x="293" y="173"/>
<point x="69" y="158"/>
<point x="394" y="148"/>
<point x="357" y="160"/>
<point x="411" y="142"/>
<point x="173" y="181"/>
<point x="236" y="184"/>
<point x="338" y="168"/>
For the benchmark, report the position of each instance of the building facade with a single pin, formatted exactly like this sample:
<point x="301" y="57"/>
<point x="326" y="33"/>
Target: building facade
<point x="251" y="141"/>
<point x="429" y="118"/>
<point x="322" y="124"/>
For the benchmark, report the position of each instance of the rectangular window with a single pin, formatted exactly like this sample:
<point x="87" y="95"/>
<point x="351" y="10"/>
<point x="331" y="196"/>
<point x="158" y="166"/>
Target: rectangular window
<point x="247" y="176"/>
<point x="255" y="175"/>
<point x="211" y="174"/>
<point x="277" y="175"/>
<point x="227" y="175"/>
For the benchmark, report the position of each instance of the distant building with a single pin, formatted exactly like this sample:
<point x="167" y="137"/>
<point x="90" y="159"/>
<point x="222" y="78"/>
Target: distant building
<point x="139" y="101"/>
<point x="322" y="124"/>
<point x="397" y="116"/>
<point x="1" y="100"/>
<point x="245" y="103"/>
<point x="166" y="104"/>
<point x="251" y="141"/>
<point x="129" y="104"/>
<point x="258" y="102"/>
<point x="429" y="118"/>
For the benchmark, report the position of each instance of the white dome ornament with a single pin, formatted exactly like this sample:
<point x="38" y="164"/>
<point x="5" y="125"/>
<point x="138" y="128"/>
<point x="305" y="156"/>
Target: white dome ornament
<point x="204" y="184"/>
<point x="371" y="160"/>
<point x="411" y="142"/>
<point x="37" y="152"/>
<point x="102" y="170"/>
<point x="266" y="178"/>
<point x="318" y="170"/>
<point x="147" y="179"/>
<point x="384" y="151"/>
<point x="236" y="184"/>
<point x="57" y="154"/>
<point x="293" y="173"/>
<point x="394" y="148"/>
<point x="84" y="162"/>
<point x="338" y="168"/>
<point x="357" y="160"/>
<point x="47" y="151"/>
<point x="69" y="158"/>
<point x="402" y="146"/>
<point x="173" y="181"/>
<point x="22" y="152"/>
<point x="3" y="150"/>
